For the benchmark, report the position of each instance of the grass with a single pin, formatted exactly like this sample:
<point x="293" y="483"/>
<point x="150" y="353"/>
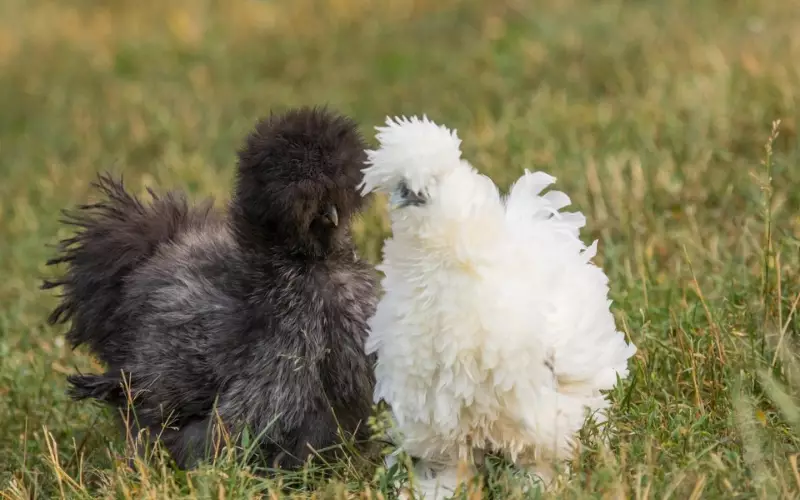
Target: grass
<point x="654" y="116"/>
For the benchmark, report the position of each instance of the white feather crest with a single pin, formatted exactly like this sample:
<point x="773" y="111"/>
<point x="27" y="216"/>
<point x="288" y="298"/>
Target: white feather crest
<point x="527" y="206"/>
<point x="413" y="150"/>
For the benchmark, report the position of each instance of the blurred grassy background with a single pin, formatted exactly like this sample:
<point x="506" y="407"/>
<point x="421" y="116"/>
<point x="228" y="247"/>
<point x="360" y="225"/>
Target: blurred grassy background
<point x="653" y="115"/>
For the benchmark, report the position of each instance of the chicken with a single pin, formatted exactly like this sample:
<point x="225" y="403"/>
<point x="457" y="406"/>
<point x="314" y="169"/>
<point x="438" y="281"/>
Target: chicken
<point x="254" y="316"/>
<point x="494" y="334"/>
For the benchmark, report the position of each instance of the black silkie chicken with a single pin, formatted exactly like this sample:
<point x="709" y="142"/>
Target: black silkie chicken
<point x="257" y="314"/>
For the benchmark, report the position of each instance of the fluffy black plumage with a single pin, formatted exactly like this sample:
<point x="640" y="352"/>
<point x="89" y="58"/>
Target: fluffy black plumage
<point x="260" y="310"/>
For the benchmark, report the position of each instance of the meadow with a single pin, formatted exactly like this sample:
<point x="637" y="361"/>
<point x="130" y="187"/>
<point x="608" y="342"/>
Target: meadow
<point x="672" y="126"/>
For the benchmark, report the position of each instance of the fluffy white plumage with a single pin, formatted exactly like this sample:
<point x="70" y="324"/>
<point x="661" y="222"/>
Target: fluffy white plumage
<point x="494" y="331"/>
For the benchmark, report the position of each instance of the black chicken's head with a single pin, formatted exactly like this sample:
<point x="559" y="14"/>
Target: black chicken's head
<point x="297" y="181"/>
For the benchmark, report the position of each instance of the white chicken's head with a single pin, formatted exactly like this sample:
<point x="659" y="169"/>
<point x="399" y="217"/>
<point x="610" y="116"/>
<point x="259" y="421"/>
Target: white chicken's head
<point x="419" y="166"/>
<point x="414" y="154"/>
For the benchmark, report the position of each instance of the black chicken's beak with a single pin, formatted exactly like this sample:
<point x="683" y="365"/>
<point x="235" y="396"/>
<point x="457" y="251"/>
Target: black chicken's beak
<point x="332" y="215"/>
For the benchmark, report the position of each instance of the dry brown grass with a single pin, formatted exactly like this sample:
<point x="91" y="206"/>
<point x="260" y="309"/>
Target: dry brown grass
<point x="652" y="115"/>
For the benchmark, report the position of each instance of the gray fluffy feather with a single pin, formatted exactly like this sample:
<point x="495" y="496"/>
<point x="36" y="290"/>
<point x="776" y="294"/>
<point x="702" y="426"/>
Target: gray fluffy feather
<point x="261" y="309"/>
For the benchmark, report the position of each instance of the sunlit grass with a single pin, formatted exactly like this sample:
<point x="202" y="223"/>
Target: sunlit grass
<point x="653" y="116"/>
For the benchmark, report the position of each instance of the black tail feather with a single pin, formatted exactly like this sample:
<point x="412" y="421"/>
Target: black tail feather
<point x="113" y="236"/>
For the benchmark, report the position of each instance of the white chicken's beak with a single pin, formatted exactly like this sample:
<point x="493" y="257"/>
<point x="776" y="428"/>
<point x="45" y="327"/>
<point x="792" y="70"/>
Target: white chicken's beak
<point x="403" y="197"/>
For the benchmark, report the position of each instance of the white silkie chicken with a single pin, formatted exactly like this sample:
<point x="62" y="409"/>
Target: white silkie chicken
<point x="494" y="333"/>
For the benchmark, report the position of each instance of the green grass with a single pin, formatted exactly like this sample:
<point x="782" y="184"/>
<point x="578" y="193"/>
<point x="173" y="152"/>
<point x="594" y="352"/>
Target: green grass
<point x="654" y="116"/>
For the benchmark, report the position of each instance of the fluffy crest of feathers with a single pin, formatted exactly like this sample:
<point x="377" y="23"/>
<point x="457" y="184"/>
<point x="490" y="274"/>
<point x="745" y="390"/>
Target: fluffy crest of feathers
<point x="297" y="178"/>
<point x="413" y="150"/>
<point x="494" y="330"/>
